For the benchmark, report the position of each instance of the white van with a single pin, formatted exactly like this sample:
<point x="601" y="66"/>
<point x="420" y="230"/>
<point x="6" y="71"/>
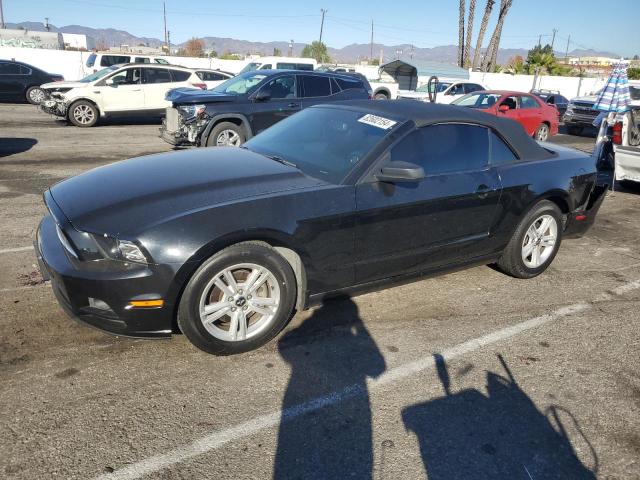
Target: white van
<point x="280" y="63"/>
<point x="98" y="61"/>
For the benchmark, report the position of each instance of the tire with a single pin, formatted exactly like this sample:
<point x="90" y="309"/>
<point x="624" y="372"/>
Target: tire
<point x="574" y="130"/>
<point x="34" y="95"/>
<point x="381" y="96"/>
<point x="233" y="133"/>
<point x="273" y="283"/>
<point x="515" y="261"/>
<point x="83" y="114"/>
<point x="542" y="133"/>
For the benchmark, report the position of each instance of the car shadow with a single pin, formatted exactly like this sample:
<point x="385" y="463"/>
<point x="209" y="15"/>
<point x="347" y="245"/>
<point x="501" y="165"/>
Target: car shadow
<point x="501" y="434"/>
<point x="11" y="146"/>
<point x="330" y="352"/>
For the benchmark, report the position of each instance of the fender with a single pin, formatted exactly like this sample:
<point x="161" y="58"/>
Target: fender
<point x="222" y="117"/>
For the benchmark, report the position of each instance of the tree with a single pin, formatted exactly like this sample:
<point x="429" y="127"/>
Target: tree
<point x="318" y="51"/>
<point x="467" y="45"/>
<point x="633" y="73"/>
<point x="483" y="29"/>
<point x="101" y="45"/>
<point x="540" y="59"/>
<point x="194" y="47"/>
<point x="277" y="52"/>
<point x="515" y="66"/>
<point x="461" y="33"/>
<point x="375" y="62"/>
<point x="494" y="45"/>
<point x="213" y="54"/>
<point x="636" y="57"/>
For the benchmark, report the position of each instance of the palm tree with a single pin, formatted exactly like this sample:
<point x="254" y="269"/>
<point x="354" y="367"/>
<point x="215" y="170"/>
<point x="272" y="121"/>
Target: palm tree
<point x="492" y="51"/>
<point x="483" y="29"/>
<point x="467" y="46"/>
<point x="461" y="35"/>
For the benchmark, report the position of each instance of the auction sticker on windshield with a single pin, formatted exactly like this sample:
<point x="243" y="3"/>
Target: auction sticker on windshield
<point x="376" y="121"/>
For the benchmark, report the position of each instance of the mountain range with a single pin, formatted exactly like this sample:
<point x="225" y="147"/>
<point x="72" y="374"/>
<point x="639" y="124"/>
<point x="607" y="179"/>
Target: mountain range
<point x="351" y="53"/>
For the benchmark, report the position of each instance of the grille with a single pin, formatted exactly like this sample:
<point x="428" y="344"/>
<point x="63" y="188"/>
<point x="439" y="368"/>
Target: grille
<point x="173" y="119"/>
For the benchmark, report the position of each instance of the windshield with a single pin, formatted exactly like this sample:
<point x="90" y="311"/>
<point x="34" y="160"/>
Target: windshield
<point x="243" y="83"/>
<point x="250" y="67"/>
<point x="440" y="88"/>
<point x="478" y="100"/>
<point x="99" y="74"/>
<point x="325" y="143"/>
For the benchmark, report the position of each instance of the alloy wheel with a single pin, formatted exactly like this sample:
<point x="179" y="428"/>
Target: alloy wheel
<point x="36" y="95"/>
<point x="539" y="241"/>
<point x="542" y="133"/>
<point x="83" y="114"/>
<point x="228" y="138"/>
<point x="239" y="302"/>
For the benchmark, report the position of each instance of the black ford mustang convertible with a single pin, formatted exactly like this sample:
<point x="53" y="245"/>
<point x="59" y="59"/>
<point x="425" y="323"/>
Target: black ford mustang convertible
<point x="226" y="243"/>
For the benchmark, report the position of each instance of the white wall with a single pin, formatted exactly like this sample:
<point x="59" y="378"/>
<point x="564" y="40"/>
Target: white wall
<point x="570" y="87"/>
<point x="70" y="64"/>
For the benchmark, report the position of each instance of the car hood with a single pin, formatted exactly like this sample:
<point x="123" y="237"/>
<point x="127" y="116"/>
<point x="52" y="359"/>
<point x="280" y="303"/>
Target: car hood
<point x="127" y="197"/>
<point x="66" y="84"/>
<point x="185" y="95"/>
<point x="585" y="99"/>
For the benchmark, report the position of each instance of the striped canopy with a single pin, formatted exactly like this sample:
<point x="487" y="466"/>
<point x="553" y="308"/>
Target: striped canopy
<point x="614" y="97"/>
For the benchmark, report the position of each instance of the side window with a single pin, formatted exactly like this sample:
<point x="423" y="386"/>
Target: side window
<point x="266" y="66"/>
<point x="156" y="75"/>
<point x="315" y="86"/>
<point x="500" y="151"/>
<point x="24" y="70"/>
<point x="180" y="76"/>
<point x="456" y="90"/>
<point x="141" y="60"/>
<point x="335" y="88"/>
<point x="210" y="76"/>
<point x="108" y="60"/>
<point x="445" y="148"/>
<point x="528" y="102"/>
<point x="130" y="76"/>
<point x="304" y="66"/>
<point x="560" y="100"/>
<point x="9" y="69"/>
<point x="282" y="87"/>
<point x="346" y="84"/>
<point x="471" y="87"/>
<point x="91" y="61"/>
<point x="511" y="102"/>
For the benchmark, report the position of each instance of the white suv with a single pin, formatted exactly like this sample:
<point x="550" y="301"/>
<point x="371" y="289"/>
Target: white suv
<point x="447" y="90"/>
<point x="117" y="90"/>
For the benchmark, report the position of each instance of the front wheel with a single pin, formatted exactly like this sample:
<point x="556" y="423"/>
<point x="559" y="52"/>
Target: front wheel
<point x="237" y="300"/>
<point x="83" y="114"/>
<point x="535" y="242"/>
<point x="35" y="95"/>
<point x="226" y="134"/>
<point x="542" y="133"/>
<point x="381" y="96"/>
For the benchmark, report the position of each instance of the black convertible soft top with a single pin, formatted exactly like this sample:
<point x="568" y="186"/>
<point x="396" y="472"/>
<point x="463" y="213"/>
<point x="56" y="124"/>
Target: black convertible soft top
<point x="423" y="113"/>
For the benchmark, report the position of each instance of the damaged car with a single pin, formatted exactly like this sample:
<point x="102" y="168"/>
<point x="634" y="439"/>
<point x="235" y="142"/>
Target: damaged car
<point x="119" y="90"/>
<point x="251" y="102"/>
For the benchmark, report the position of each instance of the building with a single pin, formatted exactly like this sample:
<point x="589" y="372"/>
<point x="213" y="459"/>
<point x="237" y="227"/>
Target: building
<point x="30" y="39"/>
<point x="76" y="41"/>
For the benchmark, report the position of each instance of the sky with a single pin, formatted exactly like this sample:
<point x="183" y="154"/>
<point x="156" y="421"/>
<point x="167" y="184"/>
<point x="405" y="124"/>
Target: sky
<point x="424" y="23"/>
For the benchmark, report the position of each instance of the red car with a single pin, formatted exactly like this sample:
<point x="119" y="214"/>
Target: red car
<point x="539" y="119"/>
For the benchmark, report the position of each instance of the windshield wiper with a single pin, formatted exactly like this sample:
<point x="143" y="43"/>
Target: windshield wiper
<point x="281" y="160"/>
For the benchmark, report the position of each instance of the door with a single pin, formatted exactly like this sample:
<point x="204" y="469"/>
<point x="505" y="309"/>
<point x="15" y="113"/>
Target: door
<point x="282" y="101"/>
<point x="315" y="89"/>
<point x="454" y="92"/>
<point x="13" y="80"/>
<point x="443" y="219"/>
<point x="530" y="113"/>
<point x="155" y="83"/>
<point x="124" y="94"/>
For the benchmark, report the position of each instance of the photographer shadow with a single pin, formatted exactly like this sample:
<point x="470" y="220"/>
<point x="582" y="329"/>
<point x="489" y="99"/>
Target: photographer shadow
<point x="469" y="435"/>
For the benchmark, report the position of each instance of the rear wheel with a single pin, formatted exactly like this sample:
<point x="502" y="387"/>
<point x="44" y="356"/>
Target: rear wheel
<point x="226" y="134"/>
<point x="34" y="95"/>
<point x="83" y="114"/>
<point x="381" y="96"/>
<point x="237" y="300"/>
<point x="535" y="242"/>
<point x="542" y="133"/>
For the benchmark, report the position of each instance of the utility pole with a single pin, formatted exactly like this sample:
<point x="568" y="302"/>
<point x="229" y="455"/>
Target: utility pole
<point x="540" y="40"/>
<point x="168" y="42"/>
<point x="566" y="52"/>
<point x="166" y="35"/>
<point x="1" y="16"/>
<point x="553" y="39"/>
<point x="291" y="48"/>
<point x="371" y="52"/>
<point x="324" y="11"/>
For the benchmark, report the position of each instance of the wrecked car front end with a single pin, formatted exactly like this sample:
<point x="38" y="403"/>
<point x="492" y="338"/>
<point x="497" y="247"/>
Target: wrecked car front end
<point x="184" y="124"/>
<point x="55" y="103"/>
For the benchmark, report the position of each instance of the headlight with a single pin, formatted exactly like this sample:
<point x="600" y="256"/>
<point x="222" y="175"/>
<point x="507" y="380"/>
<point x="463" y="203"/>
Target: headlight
<point x="131" y="251"/>
<point x="86" y="246"/>
<point x="189" y="112"/>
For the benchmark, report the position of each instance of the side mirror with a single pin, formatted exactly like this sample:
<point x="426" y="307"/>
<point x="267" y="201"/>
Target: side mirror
<point x="395" y="172"/>
<point x="263" y="95"/>
<point x="503" y="108"/>
<point x="109" y="82"/>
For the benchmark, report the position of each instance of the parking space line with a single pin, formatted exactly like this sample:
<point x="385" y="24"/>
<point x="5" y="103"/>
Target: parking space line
<point x="219" y="438"/>
<point x="16" y="249"/>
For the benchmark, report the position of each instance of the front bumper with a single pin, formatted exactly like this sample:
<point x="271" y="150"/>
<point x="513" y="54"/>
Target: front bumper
<point x="574" y="119"/>
<point x="54" y="107"/>
<point x="176" y="138"/>
<point x="83" y="289"/>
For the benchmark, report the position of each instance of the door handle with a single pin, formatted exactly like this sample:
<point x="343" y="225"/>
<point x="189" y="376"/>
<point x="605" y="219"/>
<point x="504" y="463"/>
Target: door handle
<point x="482" y="191"/>
<point x="293" y="105"/>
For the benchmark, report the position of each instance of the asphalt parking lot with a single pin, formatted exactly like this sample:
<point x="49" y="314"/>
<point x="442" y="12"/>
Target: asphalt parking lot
<point x="469" y="375"/>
